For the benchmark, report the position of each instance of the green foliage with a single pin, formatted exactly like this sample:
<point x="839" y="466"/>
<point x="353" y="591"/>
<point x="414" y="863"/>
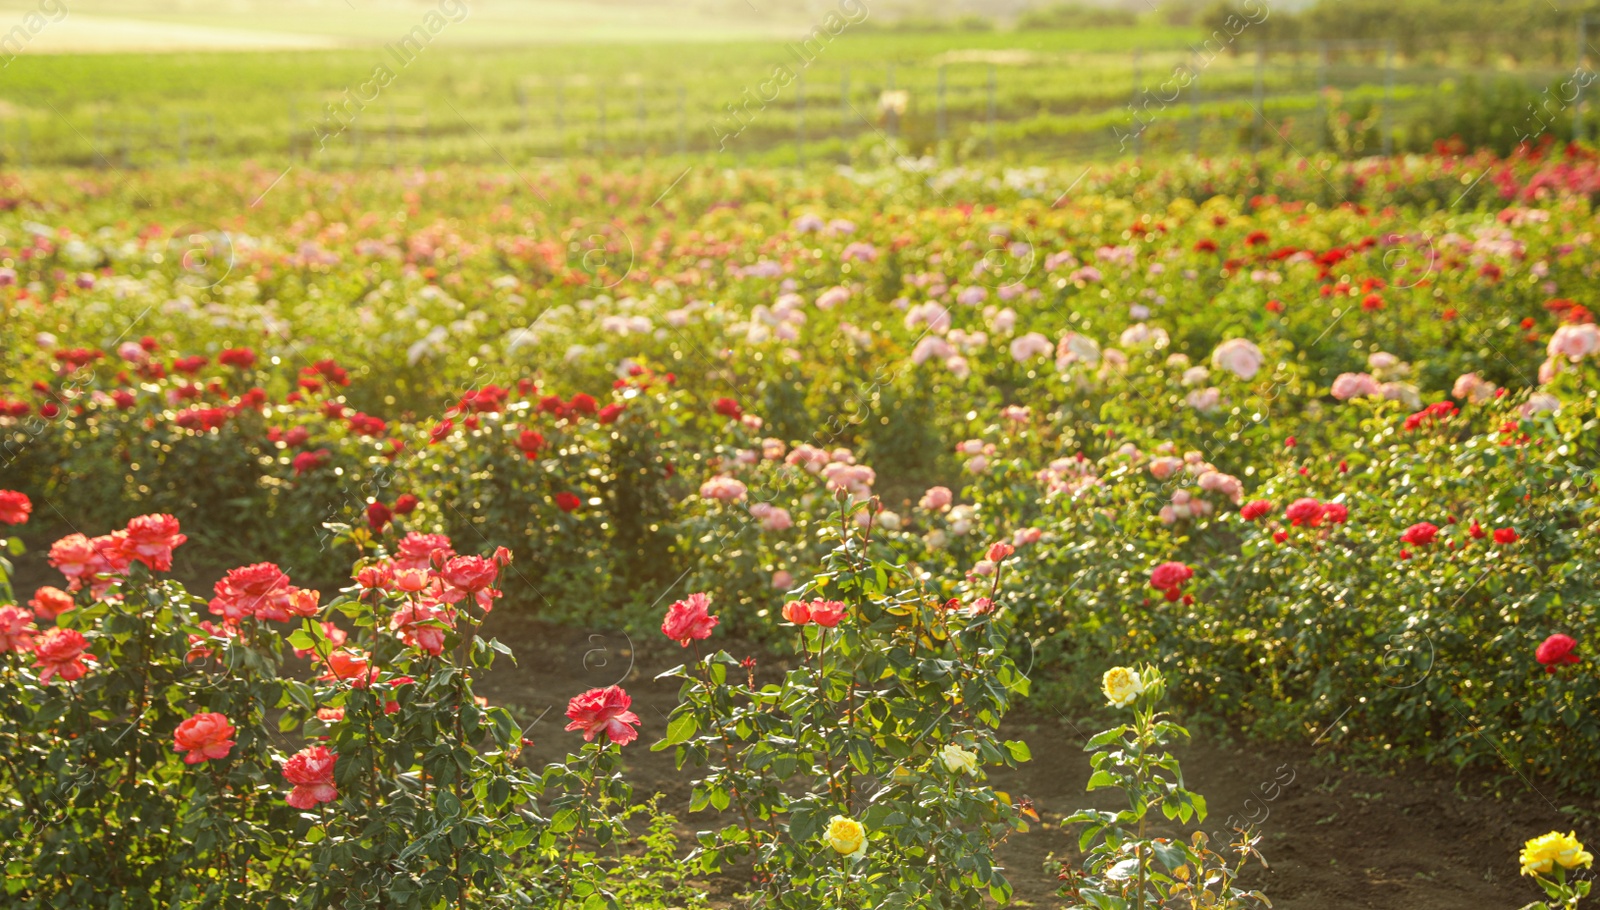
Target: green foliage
<point x="887" y="722"/>
<point x="432" y="806"/>
<point x="1125" y="867"/>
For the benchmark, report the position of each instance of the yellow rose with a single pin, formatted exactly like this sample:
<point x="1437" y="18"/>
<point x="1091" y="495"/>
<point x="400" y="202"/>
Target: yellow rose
<point x="1542" y="854"/>
<point x="847" y="837"/>
<point x="1122" y="685"/>
<point x="957" y="759"/>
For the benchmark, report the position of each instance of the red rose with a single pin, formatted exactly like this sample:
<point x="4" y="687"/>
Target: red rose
<point x="568" y="502"/>
<point x="728" y="408"/>
<point x="378" y="516"/>
<point x="610" y="413"/>
<point x="999" y="551"/>
<point x="307" y="461"/>
<point x="1420" y="534"/>
<point x="530" y="442"/>
<point x="15" y="507"/>
<point x="1335" y="512"/>
<point x="1556" y="650"/>
<point x="1255" y="509"/>
<point x="239" y="358"/>
<point x="1305" y="511"/>
<point x="687" y="620"/>
<point x="405" y="504"/>
<point x="604" y="711"/>
<point x="1504" y="536"/>
<point x="583" y="404"/>
<point x="1169" y="576"/>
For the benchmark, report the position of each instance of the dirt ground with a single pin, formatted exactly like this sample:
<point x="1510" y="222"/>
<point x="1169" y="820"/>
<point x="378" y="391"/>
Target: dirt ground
<point x="1336" y="840"/>
<point x="1413" y="839"/>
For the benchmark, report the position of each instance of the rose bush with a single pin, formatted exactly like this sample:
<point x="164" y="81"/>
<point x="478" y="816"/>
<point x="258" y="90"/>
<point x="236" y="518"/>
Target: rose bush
<point x="1351" y="402"/>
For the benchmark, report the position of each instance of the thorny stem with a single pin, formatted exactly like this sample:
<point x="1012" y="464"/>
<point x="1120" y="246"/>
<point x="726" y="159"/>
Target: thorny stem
<point x="727" y="750"/>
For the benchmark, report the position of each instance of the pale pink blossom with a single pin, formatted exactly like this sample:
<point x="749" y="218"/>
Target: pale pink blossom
<point x="1239" y="357"/>
<point x="1354" y="385"/>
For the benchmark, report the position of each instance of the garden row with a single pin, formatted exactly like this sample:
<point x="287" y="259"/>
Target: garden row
<point x="1325" y="461"/>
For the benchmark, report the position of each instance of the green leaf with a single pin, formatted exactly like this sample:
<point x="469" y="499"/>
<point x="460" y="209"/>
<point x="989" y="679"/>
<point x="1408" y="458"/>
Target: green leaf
<point x="1018" y="749"/>
<point x="680" y="730"/>
<point x="564" y="821"/>
<point x="1105" y="738"/>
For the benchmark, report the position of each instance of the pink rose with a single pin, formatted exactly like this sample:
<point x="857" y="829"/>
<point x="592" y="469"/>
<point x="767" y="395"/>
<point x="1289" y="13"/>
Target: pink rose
<point x="1239" y="357"/>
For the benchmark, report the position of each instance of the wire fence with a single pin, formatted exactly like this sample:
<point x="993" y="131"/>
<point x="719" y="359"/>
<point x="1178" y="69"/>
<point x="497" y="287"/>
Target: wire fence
<point x="1353" y="97"/>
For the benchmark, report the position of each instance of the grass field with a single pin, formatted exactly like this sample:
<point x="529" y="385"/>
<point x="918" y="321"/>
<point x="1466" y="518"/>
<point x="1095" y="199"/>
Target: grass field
<point x="330" y="85"/>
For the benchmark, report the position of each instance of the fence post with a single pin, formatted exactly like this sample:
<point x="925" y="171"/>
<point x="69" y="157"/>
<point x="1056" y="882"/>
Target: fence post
<point x="1322" y="95"/>
<point x="1260" y="123"/>
<point x="992" y="112"/>
<point x="943" y="125"/>
<point x="800" y="119"/>
<point x="1388" y="97"/>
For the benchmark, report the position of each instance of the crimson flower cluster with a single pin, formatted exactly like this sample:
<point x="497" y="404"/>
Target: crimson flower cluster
<point x="1169" y="578"/>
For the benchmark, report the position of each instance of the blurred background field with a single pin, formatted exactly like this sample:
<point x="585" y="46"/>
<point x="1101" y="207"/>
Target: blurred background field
<point x="172" y="83"/>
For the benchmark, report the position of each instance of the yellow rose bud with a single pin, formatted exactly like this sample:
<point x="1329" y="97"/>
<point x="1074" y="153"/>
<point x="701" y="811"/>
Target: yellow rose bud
<point x="1542" y="854"/>
<point x="1122" y="685"/>
<point x="957" y="760"/>
<point x="847" y="837"/>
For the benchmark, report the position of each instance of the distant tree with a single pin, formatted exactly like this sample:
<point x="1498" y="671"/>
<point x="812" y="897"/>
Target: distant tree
<point x="1076" y="15"/>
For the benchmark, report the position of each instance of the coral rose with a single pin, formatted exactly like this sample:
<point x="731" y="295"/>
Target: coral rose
<point x="687" y="620"/>
<point x="203" y="737"/>
<point x="16" y="629"/>
<point x="61" y="652"/>
<point x="310" y="771"/>
<point x="48" y="603"/>
<point x="151" y="539"/>
<point x="604" y="711"/>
